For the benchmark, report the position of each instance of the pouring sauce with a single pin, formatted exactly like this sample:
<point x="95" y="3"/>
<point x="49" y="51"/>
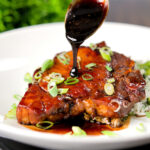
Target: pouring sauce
<point x="82" y="20"/>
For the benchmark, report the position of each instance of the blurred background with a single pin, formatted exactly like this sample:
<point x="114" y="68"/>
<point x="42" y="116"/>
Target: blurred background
<point x="20" y="13"/>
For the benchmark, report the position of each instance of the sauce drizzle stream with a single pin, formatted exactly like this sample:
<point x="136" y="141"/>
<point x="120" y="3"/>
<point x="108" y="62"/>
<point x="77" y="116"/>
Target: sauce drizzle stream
<point x="82" y="20"/>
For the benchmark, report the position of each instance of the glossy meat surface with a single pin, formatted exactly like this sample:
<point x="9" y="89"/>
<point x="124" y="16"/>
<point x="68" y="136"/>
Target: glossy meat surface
<point x="86" y="97"/>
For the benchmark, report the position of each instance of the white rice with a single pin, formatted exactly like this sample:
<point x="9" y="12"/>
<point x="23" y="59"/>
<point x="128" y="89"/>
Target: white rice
<point x="142" y="107"/>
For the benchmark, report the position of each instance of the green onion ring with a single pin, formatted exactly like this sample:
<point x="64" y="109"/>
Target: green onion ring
<point x="109" y="89"/>
<point x="52" y="89"/>
<point x="106" y="53"/>
<point x="57" y="80"/>
<point x="38" y="75"/>
<point x="63" y="58"/>
<point x="47" y="65"/>
<point x="28" y="78"/>
<point x="90" y="66"/>
<point x="108" y="68"/>
<point x="17" y="97"/>
<point x="109" y="133"/>
<point x="71" y="81"/>
<point x="87" y="77"/>
<point x="41" y="125"/>
<point x="62" y="91"/>
<point x="93" y="46"/>
<point x="140" y="127"/>
<point x="111" y="80"/>
<point x="105" y="48"/>
<point x="12" y="112"/>
<point x="77" y="131"/>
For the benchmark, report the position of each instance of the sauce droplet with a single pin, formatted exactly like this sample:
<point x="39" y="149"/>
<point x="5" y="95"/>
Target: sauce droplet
<point x="82" y="20"/>
<point x="74" y="72"/>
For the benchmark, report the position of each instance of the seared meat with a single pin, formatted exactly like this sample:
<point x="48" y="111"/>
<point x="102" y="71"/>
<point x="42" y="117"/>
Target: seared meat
<point x="86" y="98"/>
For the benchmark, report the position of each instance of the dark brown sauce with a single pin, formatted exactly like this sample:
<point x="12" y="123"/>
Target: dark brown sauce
<point x="82" y="20"/>
<point x="89" y="128"/>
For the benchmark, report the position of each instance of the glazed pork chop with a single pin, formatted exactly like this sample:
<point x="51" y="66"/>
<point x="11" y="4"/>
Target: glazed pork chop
<point x="104" y="93"/>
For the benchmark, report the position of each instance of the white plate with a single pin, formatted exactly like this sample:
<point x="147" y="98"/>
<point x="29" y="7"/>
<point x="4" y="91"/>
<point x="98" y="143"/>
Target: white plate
<point x="23" y="50"/>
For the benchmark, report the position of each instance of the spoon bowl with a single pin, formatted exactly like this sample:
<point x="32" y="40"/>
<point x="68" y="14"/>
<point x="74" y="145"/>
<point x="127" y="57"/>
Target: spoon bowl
<point x="83" y="18"/>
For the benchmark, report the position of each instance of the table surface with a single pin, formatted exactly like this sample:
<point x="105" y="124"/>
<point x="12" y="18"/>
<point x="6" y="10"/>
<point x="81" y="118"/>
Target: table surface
<point x="125" y="11"/>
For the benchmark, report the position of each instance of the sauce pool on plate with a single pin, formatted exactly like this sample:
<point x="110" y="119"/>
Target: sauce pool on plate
<point x="90" y="128"/>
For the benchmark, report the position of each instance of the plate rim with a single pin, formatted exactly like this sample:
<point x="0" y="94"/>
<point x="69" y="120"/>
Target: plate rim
<point x="4" y="128"/>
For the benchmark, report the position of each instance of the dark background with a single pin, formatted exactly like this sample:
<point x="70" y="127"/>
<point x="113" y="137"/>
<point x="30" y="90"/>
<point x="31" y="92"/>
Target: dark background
<point x="126" y="11"/>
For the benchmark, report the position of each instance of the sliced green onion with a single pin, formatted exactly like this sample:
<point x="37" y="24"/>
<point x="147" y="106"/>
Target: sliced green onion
<point x="12" y="112"/>
<point x="106" y="56"/>
<point x="62" y="91"/>
<point x="147" y="114"/>
<point x="87" y="77"/>
<point x="105" y="53"/>
<point x="28" y="78"/>
<point x="52" y="89"/>
<point x="140" y="128"/>
<point x="109" y="89"/>
<point x="90" y="66"/>
<point x="109" y="68"/>
<point x="17" y="97"/>
<point x="106" y="48"/>
<point x="111" y="80"/>
<point x="58" y="80"/>
<point x="71" y="81"/>
<point x="64" y="58"/>
<point x="38" y="75"/>
<point x="108" y="133"/>
<point x="47" y="65"/>
<point x="148" y="100"/>
<point x="145" y="67"/>
<point x="56" y="77"/>
<point x="44" y="125"/>
<point x="77" y="131"/>
<point x="93" y="46"/>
